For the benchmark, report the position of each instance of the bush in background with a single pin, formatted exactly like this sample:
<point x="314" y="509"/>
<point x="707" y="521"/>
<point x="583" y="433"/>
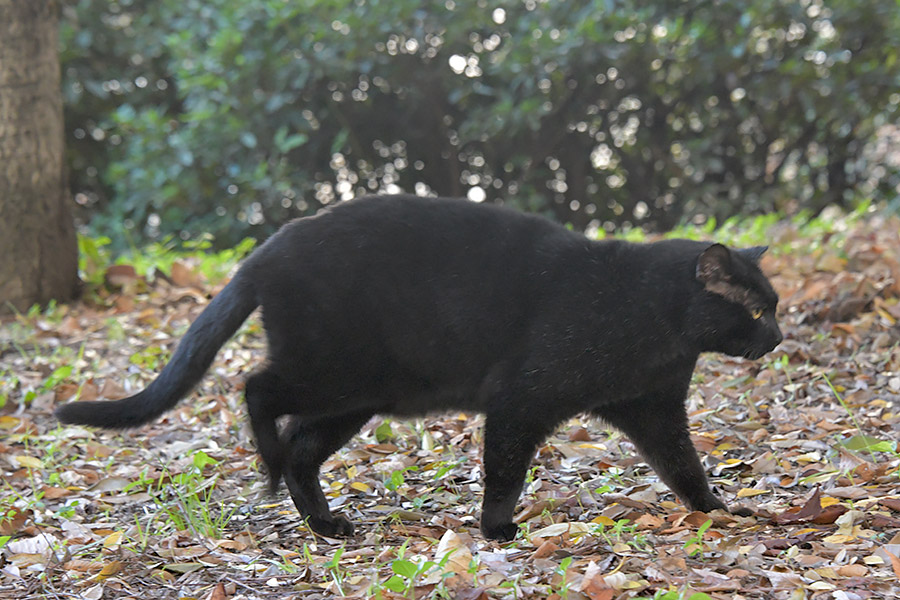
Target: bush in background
<point x="231" y="117"/>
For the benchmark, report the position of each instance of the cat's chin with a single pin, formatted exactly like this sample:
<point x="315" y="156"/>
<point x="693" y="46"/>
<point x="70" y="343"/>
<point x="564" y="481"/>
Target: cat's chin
<point x="756" y="353"/>
<point x="748" y="354"/>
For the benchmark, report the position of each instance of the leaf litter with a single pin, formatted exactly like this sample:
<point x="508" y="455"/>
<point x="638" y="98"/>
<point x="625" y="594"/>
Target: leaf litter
<point x="806" y="438"/>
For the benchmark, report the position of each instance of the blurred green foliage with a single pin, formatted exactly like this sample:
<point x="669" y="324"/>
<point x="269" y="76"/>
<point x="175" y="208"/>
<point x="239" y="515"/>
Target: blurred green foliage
<point x="230" y="117"/>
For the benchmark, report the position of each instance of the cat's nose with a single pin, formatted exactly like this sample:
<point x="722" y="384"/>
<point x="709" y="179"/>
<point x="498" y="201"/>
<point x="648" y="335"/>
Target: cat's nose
<point x="779" y="337"/>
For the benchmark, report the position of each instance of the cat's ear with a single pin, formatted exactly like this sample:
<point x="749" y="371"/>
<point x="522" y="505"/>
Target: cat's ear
<point x="714" y="265"/>
<point x="753" y="254"/>
<point x="714" y="270"/>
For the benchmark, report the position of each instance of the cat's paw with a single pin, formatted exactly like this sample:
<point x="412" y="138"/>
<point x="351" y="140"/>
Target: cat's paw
<point x="334" y="526"/>
<point x="707" y="503"/>
<point x="504" y="532"/>
<point x="274" y="479"/>
<point x="741" y="511"/>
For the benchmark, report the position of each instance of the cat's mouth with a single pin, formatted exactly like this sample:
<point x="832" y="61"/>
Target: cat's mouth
<point x="756" y="353"/>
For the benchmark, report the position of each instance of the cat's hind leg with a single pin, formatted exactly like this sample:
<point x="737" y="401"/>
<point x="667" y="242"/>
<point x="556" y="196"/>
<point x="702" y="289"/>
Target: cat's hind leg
<point x="268" y="397"/>
<point x="307" y="442"/>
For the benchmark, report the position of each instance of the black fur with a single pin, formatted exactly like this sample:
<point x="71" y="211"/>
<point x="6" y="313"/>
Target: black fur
<point x="403" y="305"/>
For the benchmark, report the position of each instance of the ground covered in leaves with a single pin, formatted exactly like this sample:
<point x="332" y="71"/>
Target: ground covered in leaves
<point x="806" y="438"/>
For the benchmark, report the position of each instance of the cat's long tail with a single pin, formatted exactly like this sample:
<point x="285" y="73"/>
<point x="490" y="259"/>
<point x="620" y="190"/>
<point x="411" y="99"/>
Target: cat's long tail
<point x="192" y="358"/>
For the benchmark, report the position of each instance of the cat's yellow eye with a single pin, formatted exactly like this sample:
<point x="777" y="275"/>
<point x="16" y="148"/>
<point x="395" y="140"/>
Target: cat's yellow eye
<point x="756" y="313"/>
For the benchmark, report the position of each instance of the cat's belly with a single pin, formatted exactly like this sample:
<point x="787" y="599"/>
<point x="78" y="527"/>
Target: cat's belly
<point x="425" y="402"/>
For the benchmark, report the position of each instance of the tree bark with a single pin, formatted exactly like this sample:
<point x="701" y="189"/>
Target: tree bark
<point x="38" y="246"/>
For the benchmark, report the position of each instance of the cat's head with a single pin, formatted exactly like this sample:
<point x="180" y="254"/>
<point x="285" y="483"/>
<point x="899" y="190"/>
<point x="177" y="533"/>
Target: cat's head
<point x="734" y="309"/>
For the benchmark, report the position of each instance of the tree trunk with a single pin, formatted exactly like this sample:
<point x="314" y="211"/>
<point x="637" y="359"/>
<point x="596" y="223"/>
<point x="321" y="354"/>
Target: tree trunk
<point x="37" y="237"/>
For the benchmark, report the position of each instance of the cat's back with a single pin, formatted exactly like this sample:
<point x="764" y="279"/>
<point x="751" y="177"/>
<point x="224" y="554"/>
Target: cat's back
<point x="424" y="217"/>
<point x="411" y="230"/>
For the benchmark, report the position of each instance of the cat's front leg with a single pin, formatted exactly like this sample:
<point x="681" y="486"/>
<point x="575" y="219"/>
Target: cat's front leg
<point x="658" y="427"/>
<point x="510" y="440"/>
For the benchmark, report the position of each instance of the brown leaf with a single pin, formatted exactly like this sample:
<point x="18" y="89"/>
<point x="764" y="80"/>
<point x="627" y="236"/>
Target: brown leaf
<point x="95" y="450"/>
<point x="385" y="448"/>
<point x="89" y="392"/>
<point x="776" y="545"/>
<point x="110" y="569"/>
<point x="877" y="521"/>
<point x="150" y="317"/>
<point x="648" y="521"/>
<point x="111" y="390"/>
<point x="847" y="328"/>
<point x="855" y="570"/>
<point x="846" y="309"/>
<point x="811" y="291"/>
<point x="579" y="434"/>
<point x="895" y="563"/>
<point x="164" y="575"/>
<point x="704" y="444"/>
<point x="82" y="566"/>
<point x="829" y="514"/>
<point x="183" y="276"/>
<point x="831" y="263"/>
<point x="120" y="275"/>
<point x="531" y="510"/>
<point x="233" y="545"/>
<point x="454" y="554"/>
<point x="479" y="593"/>
<point x="849" y="492"/>
<point x="53" y="493"/>
<point x="696" y="518"/>
<point x="811" y="510"/>
<point x="218" y="592"/>
<point x="124" y="304"/>
<point x="187" y="567"/>
<point x="9" y="423"/>
<point x="737" y="574"/>
<point x="891" y="503"/>
<point x="13" y="521"/>
<point x="64" y="391"/>
<point x="544" y="550"/>
<point x="594" y="586"/>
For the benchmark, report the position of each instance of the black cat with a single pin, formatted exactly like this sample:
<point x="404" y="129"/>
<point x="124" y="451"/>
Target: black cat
<point x="403" y="305"/>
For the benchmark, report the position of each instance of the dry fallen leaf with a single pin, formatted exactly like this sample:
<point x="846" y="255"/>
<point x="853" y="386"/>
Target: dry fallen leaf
<point x="110" y="569"/>
<point x="183" y="276"/>
<point x="594" y="586"/>
<point x="458" y="556"/>
<point x="895" y="563"/>
<point x="218" y="593"/>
